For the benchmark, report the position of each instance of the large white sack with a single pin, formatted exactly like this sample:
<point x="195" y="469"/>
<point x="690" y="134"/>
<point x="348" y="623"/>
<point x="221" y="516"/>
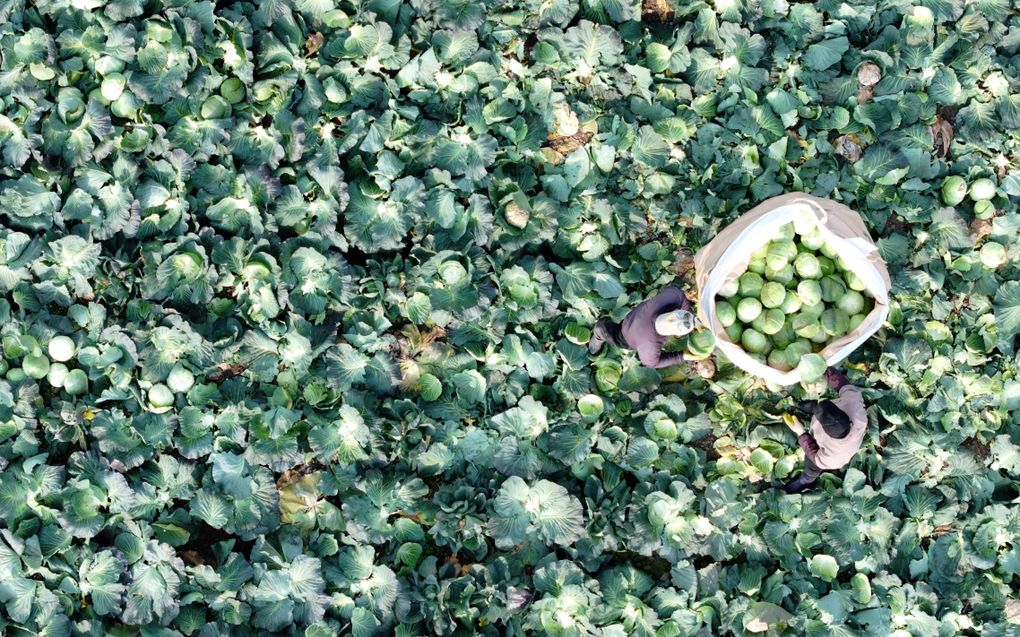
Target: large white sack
<point x="727" y="255"/>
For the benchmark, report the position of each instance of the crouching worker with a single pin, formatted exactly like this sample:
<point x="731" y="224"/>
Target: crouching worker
<point x="647" y="328"/>
<point x="837" y="430"/>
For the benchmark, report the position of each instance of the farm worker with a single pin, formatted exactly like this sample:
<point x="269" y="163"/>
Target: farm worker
<point x="837" y="430"/>
<point x="647" y="328"/>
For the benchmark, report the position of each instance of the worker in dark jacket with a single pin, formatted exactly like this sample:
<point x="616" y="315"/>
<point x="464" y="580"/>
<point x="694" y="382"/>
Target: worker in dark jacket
<point x="647" y="328"/>
<point x="837" y="431"/>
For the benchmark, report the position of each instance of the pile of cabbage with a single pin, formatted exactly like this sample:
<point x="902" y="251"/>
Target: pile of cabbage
<point x="795" y="297"/>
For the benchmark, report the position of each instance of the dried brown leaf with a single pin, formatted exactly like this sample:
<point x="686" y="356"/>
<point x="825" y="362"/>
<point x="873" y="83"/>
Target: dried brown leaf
<point x="566" y="144"/>
<point x="314" y="42"/>
<point x="684" y="260"/>
<point x="849" y="147"/>
<point x="941" y="530"/>
<point x="225" y="371"/>
<point x="656" y="11"/>
<point x="704" y="368"/>
<point x="980" y="449"/>
<point x="980" y="228"/>
<point x="941" y="136"/>
<point x="296" y="474"/>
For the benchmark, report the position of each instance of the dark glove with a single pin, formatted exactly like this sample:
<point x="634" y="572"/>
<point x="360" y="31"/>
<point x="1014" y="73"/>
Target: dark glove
<point x="807" y="408"/>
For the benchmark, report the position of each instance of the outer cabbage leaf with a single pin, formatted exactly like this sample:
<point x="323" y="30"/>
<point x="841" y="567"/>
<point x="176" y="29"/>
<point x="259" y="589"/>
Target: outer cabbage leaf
<point x="545" y="509"/>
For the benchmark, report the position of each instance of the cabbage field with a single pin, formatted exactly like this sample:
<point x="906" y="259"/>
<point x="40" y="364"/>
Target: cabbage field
<point x="296" y="297"/>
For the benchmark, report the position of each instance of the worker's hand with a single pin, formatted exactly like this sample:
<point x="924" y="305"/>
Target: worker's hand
<point x="835" y="378"/>
<point x="794" y="424"/>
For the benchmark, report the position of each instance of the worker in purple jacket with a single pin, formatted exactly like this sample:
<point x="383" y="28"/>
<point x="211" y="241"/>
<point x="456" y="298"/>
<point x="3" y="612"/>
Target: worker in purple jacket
<point x="647" y="328"/>
<point x="837" y="431"/>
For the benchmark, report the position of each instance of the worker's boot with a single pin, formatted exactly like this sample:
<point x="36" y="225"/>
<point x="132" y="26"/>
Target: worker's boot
<point x="800" y="483"/>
